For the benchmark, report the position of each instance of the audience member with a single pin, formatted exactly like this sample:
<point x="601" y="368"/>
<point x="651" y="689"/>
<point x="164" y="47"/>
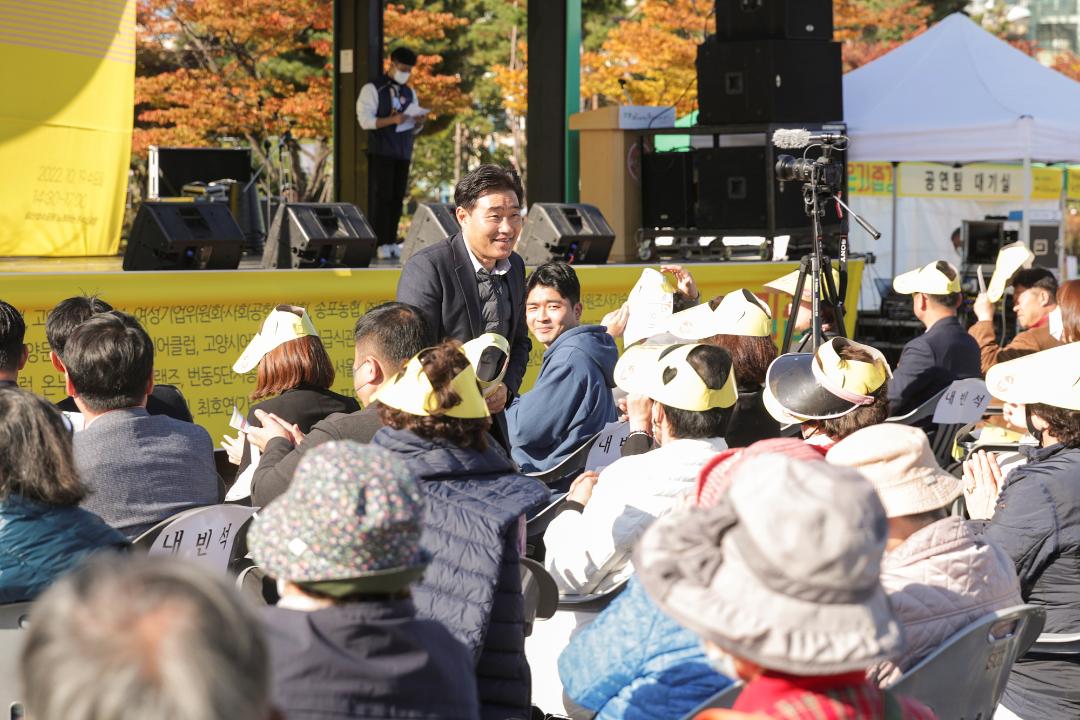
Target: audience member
<point x="686" y="392"/>
<point x="474" y="282"/>
<point x="345" y="642"/>
<point x="1037" y="521"/>
<point x="939" y="573"/>
<point x="73" y="312"/>
<point x="571" y="400"/>
<point x="740" y="323"/>
<point x="386" y="337"/>
<point x="13" y="351"/>
<point x="838" y="390"/>
<point x="795" y="608"/>
<point x="140" y="468"/>
<point x="803" y="313"/>
<point x="437" y="420"/>
<point x="942" y="354"/>
<point x="634" y="661"/>
<point x="43" y="531"/>
<point x="294" y="379"/>
<point x="1034" y="297"/>
<point x="138" y="638"/>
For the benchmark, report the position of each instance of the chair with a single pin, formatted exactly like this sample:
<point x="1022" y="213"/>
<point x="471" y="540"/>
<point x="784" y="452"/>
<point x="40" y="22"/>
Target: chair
<point x="1056" y="644"/>
<point x="540" y="592"/>
<point x="207" y="535"/>
<point x="965" y="677"/>
<point x="594" y="602"/>
<point x="570" y="465"/>
<point x="723" y="700"/>
<point x="14" y="620"/>
<point x="253" y="583"/>
<point x="941" y="436"/>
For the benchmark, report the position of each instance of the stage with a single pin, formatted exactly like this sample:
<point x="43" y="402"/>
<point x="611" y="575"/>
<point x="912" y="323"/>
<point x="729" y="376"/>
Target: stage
<point x="202" y="320"/>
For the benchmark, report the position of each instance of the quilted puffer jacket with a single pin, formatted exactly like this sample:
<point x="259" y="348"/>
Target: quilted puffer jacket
<point x="473" y="584"/>
<point x="943" y="577"/>
<point x="39" y="542"/>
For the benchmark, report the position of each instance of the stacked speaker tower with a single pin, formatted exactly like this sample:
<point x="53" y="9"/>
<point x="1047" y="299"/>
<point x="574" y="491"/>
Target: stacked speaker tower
<point x="771" y="64"/>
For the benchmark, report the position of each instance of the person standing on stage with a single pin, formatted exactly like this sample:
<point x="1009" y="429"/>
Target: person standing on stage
<point x="389" y="110"/>
<point x="473" y="282"/>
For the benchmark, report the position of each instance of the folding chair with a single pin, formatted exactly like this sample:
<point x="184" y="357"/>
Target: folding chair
<point x="594" y="602"/>
<point x="540" y="592"/>
<point x="1056" y="644"/>
<point x="572" y="464"/>
<point x="941" y="436"/>
<point x="965" y="677"/>
<point x="14" y="620"/>
<point x="206" y="535"/>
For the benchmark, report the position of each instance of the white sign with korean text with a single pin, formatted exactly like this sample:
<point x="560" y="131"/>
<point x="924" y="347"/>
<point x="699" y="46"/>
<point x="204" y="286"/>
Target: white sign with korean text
<point x="608" y="446"/>
<point x="964" y="402"/>
<point x="205" y="537"/>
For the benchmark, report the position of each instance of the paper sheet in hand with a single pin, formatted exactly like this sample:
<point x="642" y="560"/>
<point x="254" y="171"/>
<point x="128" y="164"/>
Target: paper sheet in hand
<point x="412" y="112"/>
<point x="650" y="304"/>
<point x="237" y="421"/>
<point x="964" y="402"/>
<point x="608" y="446"/>
<point x="241" y="488"/>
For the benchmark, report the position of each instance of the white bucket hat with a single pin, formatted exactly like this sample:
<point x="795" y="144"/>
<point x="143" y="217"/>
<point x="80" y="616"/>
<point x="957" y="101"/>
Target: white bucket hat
<point x="739" y="313"/>
<point x="284" y="323"/>
<point x="928" y="279"/>
<point x="784" y="571"/>
<point x="898" y="462"/>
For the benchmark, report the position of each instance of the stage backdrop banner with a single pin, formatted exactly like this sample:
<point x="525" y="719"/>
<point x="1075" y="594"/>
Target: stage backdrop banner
<point x="68" y="71"/>
<point x="201" y="321"/>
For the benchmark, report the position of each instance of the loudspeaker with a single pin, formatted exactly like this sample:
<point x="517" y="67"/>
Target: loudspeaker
<point x="431" y="223"/>
<point x="184" y="236"/>
<point x="319" y="235"/>
<point x="575" y="233"/>
<point x="768" y="81"/>
<point x="667" y="190"/>
<point x="732" y="193"/>
<point x="774" y="19"/>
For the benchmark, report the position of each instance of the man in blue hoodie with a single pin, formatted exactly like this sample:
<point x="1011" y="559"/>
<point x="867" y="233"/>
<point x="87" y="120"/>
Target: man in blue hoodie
<point x="571" y="399"/>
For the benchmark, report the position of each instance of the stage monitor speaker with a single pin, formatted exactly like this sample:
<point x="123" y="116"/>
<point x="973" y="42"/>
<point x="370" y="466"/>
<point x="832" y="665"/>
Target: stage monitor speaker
<point x="319" y="235"/>
<point x="184" y="236"/>
<point x="575" y="233"/>
<point x="732" y="194"/>
<point x="774" y="19"/>
<point x="430" y="224"/>
<point x="667" y="190"/>
<point x="769" y="81"/>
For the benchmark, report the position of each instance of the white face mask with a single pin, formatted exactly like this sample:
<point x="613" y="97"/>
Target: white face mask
<point x="401" y="77"/>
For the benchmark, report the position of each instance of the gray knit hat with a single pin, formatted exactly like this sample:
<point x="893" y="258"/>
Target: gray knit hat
<point x="784" y="571"/>
<point x="350" y="522"/>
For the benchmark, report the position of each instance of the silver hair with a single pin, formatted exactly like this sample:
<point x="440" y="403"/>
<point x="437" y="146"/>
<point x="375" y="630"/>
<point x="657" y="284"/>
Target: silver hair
<point x="135" y="637"/>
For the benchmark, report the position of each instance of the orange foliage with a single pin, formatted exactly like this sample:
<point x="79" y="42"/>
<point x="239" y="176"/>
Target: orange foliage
<point x="871" y="28"/>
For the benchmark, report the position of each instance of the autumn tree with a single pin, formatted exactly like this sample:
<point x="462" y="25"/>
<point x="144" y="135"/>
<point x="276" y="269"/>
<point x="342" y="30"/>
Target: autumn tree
<point x="253" y="72"/>
<point x="870" y="28"/>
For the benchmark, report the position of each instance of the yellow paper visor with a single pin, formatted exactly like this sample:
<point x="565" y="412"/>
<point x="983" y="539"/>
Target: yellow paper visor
<point x="411" y="391"/>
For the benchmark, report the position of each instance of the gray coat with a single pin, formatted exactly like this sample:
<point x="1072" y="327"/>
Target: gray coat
<point x="142" y="468"/>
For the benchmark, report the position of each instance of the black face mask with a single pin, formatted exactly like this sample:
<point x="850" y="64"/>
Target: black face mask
<point x="1037" y="434"/>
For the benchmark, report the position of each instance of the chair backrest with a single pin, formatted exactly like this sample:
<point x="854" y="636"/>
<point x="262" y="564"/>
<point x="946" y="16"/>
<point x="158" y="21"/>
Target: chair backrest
<point x="1056" y="644"/>
<point x="539" y="590"/>
<point x="594" y="602"/>
<point x="537" y="524"/>
<point x="925" y="411"/>
<point x="723" y="700"/>
<point x="14" y="620"/>
<point x="941" y="436"/>
<point x="571" y="464"/>
<point x="206" y="535"/>
<point x="965" y="677"/>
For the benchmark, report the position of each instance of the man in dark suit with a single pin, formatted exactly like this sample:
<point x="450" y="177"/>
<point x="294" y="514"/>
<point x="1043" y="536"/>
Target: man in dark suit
<point x="473" y="282"/>
<point x="945" y="352"/>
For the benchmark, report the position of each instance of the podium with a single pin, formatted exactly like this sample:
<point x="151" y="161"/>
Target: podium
<point x="610" y="167"/>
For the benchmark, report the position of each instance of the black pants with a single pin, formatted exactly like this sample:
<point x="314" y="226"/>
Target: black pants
<point x="389" y="181"/>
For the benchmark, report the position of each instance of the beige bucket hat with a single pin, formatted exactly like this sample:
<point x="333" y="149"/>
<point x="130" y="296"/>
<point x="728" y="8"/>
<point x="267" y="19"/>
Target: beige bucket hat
<point x="898" y="462"/>
<point x="783" y="571"/>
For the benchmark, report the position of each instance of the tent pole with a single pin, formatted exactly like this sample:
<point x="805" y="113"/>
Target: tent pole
<point x="895" y="222"/>
<point x="1025" y="225"/>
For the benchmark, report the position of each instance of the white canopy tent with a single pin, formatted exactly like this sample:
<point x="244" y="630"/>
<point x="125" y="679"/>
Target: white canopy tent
<point x="955" y="94"/>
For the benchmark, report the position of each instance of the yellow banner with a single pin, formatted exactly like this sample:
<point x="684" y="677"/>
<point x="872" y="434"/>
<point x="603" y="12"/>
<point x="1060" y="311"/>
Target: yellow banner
<point x="978" y="181"/>
<point x="201" y="321"/>
<point x="870" y="178"/>
<point x="65" y="125"/>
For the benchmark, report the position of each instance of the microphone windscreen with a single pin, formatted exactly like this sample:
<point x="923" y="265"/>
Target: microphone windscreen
<point x="791" y="139"/>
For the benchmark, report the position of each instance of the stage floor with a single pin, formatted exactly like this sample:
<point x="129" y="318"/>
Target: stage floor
<point x="114" y="263"/>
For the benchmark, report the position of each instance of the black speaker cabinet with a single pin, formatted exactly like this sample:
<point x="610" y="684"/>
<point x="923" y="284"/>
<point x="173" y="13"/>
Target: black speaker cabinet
<point x="769" y="81"/>
<point x="184" y="236"/>
<point x="667" y="187"/>
<point x="774" y="19"/>
<point x="732" y="194"/>
<point x="575" y="233"/>
<point x="431" y="223"/>
<point x="319" y="235"/>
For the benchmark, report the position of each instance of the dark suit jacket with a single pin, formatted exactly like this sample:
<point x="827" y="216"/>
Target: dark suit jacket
<point x="304" y="405"/>
<point x="441" y="282"/>
<point x="931" y="362"/>
<point x="163" y="400"/>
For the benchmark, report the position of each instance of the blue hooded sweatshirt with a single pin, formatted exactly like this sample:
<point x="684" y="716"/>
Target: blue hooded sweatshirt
<point x="570" y="401"/>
